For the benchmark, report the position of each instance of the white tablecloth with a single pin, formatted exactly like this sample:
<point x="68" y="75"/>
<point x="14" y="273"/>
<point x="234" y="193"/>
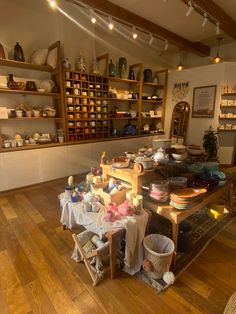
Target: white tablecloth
<point x="74" y="213"/>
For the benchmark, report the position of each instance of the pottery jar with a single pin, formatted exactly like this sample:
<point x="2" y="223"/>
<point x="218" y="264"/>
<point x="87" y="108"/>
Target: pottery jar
<point x="66" y="64"/>
<point x="147" y="73"/>
<point x="18" y="53"/>
<point x="19" y="113"/>
<point x="112" y="69"/>
<point x="122" y="67"/>
<point x="76" y="76"/>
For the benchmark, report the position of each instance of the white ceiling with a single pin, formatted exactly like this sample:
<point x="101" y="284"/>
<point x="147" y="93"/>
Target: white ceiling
<point x="171" y="14"/>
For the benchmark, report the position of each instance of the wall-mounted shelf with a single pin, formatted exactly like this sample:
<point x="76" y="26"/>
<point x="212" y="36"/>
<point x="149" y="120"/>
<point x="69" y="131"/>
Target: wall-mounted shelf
<point x="55" y="99"/>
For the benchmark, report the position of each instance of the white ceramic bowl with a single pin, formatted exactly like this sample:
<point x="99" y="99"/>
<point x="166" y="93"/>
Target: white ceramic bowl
<point x="195" y="151"/>
<point x="179" y="157"/>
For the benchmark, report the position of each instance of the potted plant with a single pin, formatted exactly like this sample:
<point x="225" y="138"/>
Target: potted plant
<point x="60" y="135"/>
<point x="210" y="143"/>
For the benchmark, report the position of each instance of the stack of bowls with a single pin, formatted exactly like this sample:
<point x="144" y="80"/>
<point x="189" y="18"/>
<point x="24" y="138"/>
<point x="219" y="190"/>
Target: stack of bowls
<point x="209" y="180"/>
<point x="159" y="191"/>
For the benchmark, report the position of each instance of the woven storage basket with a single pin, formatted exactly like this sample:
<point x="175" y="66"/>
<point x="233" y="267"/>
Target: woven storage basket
<point x="158" y="249"/>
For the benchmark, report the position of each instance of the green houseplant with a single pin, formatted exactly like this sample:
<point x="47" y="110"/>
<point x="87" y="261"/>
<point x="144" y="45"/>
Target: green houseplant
<point x="210" y="143"/>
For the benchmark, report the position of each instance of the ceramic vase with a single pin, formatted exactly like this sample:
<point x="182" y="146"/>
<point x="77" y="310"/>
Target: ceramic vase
<point x="122" y="67"/>
<point x="95" y="67"/>
<point x="80" y="64"/>
<point x="18" y="53"/>
<point x="131" y="75"/>
<point x="2" y="53"/>
<point x="66" y="64"/>
<point x="147" y="73"/>
<point x="112" y="69"/>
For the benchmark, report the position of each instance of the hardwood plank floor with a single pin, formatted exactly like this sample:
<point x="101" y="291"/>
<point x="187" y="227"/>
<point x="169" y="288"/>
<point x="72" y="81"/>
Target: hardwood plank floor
<point x="37" y="274"/>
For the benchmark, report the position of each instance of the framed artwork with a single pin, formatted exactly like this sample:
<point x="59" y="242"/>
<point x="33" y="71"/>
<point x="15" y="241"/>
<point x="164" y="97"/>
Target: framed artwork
<point x="204" y="101"/>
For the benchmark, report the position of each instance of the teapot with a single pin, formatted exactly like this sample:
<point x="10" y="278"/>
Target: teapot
<point x="160" y="156"/>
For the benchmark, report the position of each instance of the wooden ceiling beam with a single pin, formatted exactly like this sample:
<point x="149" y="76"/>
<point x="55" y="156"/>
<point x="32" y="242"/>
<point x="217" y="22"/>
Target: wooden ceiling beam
<point x="130" y="18"/>
<point x="227" y="24"/>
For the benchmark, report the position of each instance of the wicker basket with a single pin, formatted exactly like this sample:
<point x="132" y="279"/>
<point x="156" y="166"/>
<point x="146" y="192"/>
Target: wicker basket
<point x="158" y="249"/>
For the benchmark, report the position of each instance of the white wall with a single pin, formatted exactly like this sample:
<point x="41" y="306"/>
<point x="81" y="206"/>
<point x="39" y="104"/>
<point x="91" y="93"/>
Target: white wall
<point x="24" y="168"/>
<point x="214" y="74"/>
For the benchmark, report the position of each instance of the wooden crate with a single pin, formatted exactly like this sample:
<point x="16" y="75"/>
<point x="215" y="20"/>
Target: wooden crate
<point x="107" y="198"/>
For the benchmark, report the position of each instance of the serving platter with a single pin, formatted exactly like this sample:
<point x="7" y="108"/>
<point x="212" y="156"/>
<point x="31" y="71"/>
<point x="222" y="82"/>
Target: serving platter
<point x="188" y="192"/>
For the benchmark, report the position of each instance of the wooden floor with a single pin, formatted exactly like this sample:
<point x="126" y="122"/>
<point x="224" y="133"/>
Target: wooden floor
<point x="37" y="274"/>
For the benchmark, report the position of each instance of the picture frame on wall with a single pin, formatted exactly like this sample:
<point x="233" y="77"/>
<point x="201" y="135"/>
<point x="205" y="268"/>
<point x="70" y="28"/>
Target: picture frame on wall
<point x="204" y="101"/>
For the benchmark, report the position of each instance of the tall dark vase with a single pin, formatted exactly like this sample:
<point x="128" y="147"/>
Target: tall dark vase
<point x="18" y="53"/>
<point x="122" y="67"/>
<point x="112" y="69"/>
<point x="2" y="53"/>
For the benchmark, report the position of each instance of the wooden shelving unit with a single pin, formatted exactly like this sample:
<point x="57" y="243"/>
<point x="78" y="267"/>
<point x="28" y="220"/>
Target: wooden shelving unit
<point x="228" y="106"/>
<point x="57" y="100"/>
<point x="91" y="114"/>
<point x="86" y="105"/>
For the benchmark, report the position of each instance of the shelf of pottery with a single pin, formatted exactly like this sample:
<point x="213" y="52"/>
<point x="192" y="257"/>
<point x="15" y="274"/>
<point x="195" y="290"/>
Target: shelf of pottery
<point x="125" y="104"/>
<point x="86" y="101"/>
<point x="227" y="117"/>
<point x="31" y="109"/>
<point x="121" y="104"/>
<point x="154" y="88"/>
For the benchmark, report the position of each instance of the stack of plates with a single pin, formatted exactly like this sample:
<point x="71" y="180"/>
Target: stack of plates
<point x="185" y="198"/>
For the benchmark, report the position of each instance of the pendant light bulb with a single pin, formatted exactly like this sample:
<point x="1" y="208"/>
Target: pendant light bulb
<point x="92" y="16"/>
<point x="110" y="25"/>
<point x="180" y="66"/>
<point x="217" y="58"/>
<point x="151" y="39"/>
<point x="134" y="33"/>
<point x="52" y="4"/>
<point x="190" y="9"/>
<point x="205" y="20"/>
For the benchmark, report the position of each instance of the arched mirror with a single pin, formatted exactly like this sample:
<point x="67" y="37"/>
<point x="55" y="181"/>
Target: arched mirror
<point x="179" y="122"/>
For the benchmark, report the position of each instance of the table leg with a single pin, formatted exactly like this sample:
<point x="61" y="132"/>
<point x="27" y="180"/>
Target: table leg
<point x="113" y="237"/>
<point x="175" y="232"/>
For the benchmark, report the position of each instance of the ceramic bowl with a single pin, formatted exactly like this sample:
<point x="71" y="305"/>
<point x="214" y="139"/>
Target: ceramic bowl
<point x="161" y="143"/>
<point x="195" y="150"/>
<point x="179" y="157"/>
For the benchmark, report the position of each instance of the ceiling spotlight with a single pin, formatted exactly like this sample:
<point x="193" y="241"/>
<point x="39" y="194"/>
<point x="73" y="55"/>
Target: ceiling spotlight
<point x="217" y="58"/>
<point x="166" y="45"/>
<point x="134" y="33"/>
<point x="110" y="25"/>
<point x="92" y="16"/>
<point x="190" y="9"/>
<point x="151" y="39"/>
<point x="218" y="28"/>
<point x="204" y="20"/>
<point x="52" y="4"/>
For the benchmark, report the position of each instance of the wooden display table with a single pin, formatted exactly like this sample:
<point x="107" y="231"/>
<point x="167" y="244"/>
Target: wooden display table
<point x="136" y="180"/>
<point x="175" y="216"/>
